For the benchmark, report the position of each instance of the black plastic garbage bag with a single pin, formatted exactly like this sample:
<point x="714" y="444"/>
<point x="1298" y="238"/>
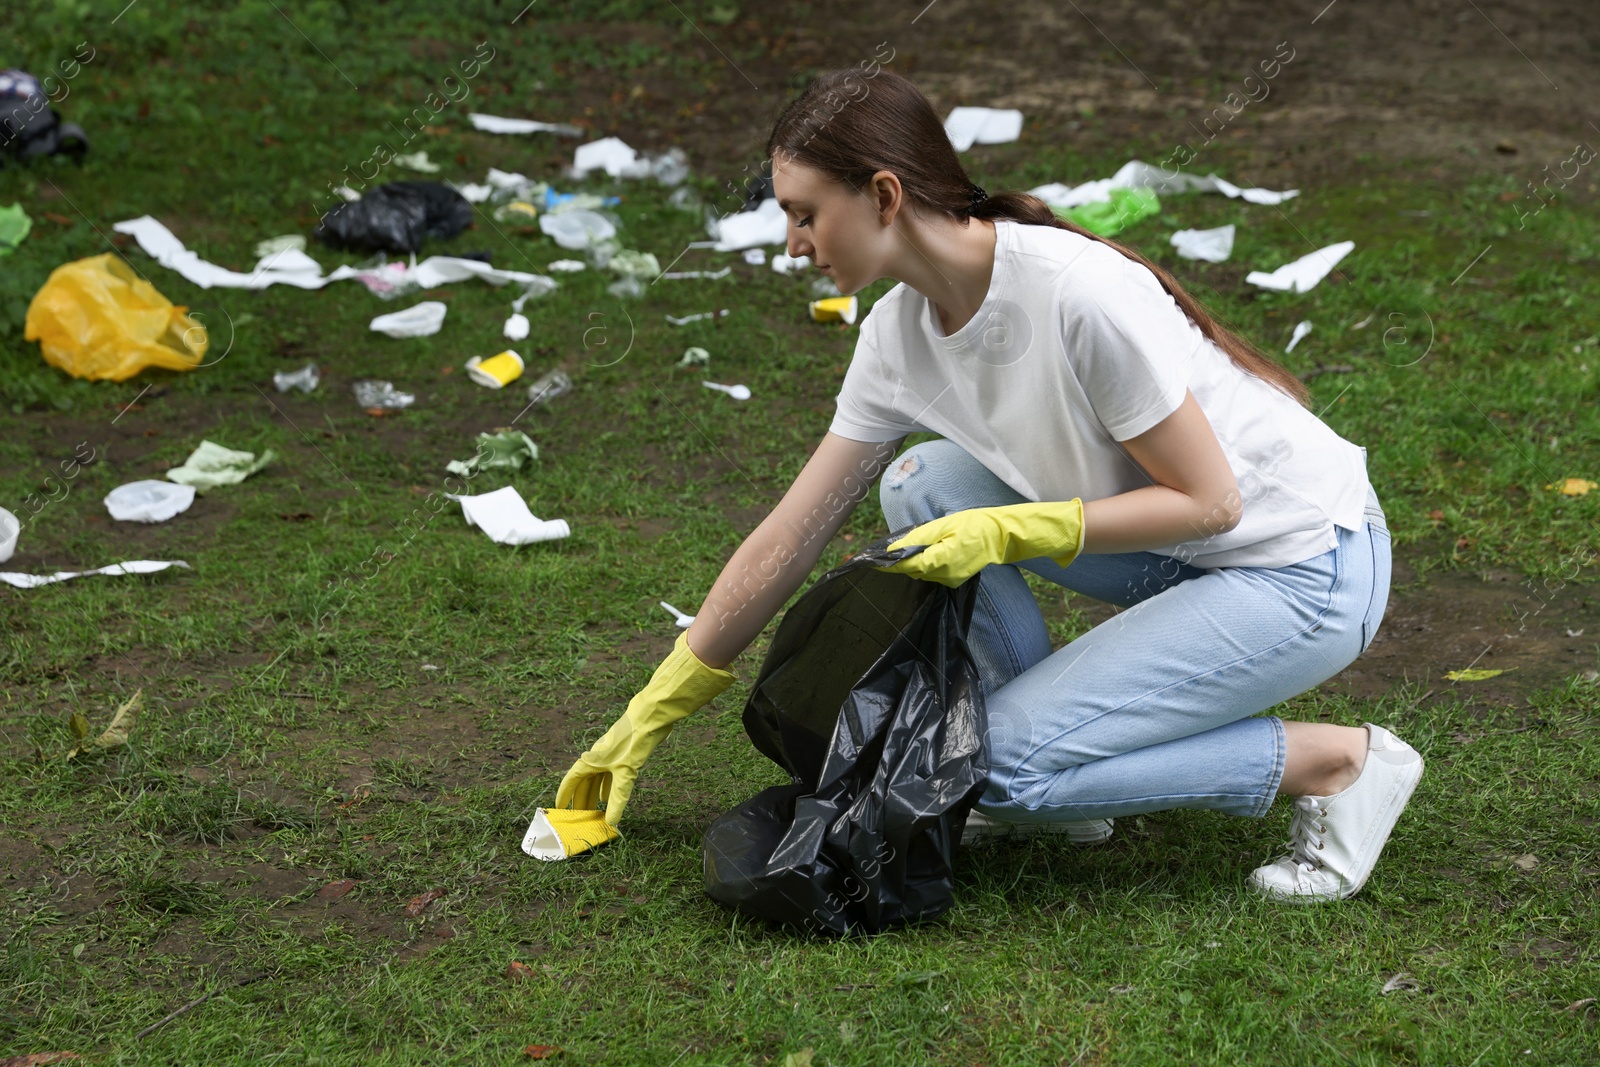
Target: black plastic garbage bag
<point x="870" y="699"/>
<point x="29" y="127"/>
<point x="395" y="217"/>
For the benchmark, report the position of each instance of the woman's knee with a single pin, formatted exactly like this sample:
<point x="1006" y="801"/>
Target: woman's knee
<point x="932" y="479"/>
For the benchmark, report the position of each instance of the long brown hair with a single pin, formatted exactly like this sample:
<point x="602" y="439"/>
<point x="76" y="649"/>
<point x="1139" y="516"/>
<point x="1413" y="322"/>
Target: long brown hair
<point x="849" y="125"/>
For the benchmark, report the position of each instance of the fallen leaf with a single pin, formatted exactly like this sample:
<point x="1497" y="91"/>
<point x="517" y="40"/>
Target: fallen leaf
<point x="419" y="903"/>
<point x="518" y="969"/>
<point x="39" y="1059"/>
<point x="541" y="1052"/>
<point x="798" y="1059"/>
<point x="1475" y="674"/>
<point x="122" y="723"/>
<point x="1526" y="862"/>
<point x="80" y="725"/>
<point x="1400" y="981"/>
<point x="1579" y="1005"/>
<point x="335" y="890"/>
<point x="1575" y="487"/>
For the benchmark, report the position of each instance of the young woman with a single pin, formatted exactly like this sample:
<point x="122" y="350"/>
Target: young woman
<point x="1102" y="431"/>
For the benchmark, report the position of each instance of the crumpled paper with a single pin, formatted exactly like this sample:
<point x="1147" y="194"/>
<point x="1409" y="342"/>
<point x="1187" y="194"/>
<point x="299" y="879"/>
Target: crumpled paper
<point x="505" y="517"/>
<point x="1213" y="246"/>
<point x="1304" y="273"/>
<point x="211" y="465"/>
<point x="967" y="126"/>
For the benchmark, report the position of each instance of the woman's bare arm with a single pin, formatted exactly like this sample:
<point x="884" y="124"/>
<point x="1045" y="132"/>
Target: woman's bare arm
<point x="1195" y="494"/>
<point x="778" y="555"/>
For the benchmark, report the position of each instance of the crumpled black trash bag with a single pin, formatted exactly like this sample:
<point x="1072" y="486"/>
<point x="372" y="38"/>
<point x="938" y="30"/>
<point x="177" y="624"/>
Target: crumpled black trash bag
<point x="395" y="217"/>
<point x="29" y="126"/>
<point x="870" y="699"/>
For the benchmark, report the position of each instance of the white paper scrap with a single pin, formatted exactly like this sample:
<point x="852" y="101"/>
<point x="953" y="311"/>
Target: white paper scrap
<point x="1135" y="174"/>
<point x="288" y="267"/>
<point x="784" y="263"/>
<point x="423" y="320"/>
<point x="1300" y="330"/>
<point x="685" y="320"/>
<point x="1214" y="246"/>
<point x="149" y="500"/>
<point x="132" y="566"/>
<point x="610" y="154"/>
<point x="505" y="517"/>
<point x="1304" y="273"/>
<point x="967" y="126"/>
<point x="766" y="225"/>
<point x="497" y="124"/>
<point x="517" y="326"/>
<point x="680" y="274"/>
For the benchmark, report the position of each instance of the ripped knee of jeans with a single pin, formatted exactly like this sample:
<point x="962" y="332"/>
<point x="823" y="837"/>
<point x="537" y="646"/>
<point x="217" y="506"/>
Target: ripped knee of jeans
<point x="902" y="469"/>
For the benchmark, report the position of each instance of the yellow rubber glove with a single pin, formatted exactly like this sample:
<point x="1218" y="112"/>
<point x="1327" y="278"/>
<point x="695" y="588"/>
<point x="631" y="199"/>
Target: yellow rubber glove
<point x="607" y="771"/>
<point x="964" y="542"/>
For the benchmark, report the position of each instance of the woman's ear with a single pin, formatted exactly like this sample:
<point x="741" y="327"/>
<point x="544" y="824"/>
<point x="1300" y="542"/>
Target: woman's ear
<point x="887" y="195"/>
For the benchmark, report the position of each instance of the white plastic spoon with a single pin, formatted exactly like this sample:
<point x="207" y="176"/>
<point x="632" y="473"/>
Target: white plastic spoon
<point x="738" y="392"/>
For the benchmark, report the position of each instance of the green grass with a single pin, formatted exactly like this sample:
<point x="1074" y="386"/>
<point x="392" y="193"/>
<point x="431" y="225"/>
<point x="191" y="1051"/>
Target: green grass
<point x="293" y="738"/>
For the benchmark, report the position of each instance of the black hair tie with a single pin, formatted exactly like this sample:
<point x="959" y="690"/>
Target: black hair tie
<point x="976" y="196"/>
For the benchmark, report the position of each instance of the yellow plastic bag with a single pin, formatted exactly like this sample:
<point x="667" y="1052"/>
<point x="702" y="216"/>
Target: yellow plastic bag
<point x="94" y="318"/>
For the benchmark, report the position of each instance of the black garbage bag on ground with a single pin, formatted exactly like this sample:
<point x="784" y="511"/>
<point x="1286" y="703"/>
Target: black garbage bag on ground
<point x="395" y="217"/>
<point x="29" y="126"/>
<point x="870" y="699"/>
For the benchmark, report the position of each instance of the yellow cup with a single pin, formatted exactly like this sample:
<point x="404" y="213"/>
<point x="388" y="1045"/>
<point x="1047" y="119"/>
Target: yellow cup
<point x="497" y="371"/>
<point x="835" y="309"/>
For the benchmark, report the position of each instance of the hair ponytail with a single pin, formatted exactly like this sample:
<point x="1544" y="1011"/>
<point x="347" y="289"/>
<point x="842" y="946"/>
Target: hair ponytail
<point x="850" y="125"/>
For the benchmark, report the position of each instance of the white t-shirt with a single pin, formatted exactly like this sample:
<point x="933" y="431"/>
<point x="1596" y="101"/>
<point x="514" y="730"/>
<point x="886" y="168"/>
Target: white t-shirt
<point x="1075" y="348"/>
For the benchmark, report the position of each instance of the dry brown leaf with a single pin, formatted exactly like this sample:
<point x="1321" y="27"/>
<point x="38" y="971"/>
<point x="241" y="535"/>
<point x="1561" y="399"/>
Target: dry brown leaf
<point x="541" y="1052"/>
<point x="518" y="969"/>
<point x="335" y="890"/>
<point x="419" y="904"/>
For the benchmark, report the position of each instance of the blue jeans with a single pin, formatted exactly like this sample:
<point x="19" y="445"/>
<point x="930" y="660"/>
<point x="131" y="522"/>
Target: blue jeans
<point x="1153" y="708"/>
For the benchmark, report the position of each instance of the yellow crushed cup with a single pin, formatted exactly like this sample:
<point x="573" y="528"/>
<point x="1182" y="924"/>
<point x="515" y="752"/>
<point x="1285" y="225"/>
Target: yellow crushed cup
<point x="835" y="309"/>
<point x="559" y="833"/>
<point x="497" y="371"/>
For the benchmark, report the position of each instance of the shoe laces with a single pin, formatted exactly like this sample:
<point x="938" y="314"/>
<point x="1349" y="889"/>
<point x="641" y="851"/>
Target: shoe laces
<point x="1305" y="841"/>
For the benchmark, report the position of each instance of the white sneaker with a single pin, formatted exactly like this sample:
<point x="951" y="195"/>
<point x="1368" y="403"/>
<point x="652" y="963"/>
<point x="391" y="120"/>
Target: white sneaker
<point x="1335" y="841"/>
<point x="981" y="827"/>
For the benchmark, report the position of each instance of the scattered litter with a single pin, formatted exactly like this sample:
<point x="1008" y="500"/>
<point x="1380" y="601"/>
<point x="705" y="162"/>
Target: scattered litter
<point x="1300" y="330"/>
<point x="558" y="833"/>
<point x="1304" y="273"/>
<point x="616" y="158"/>
<point x="686" y="319"/>
<point x="132" y="566"/>
<point x="14" y="228"/>
<point x="289" y="266"/>
<point x="497" y="371"/>
<point x="1213" y="246"/>
<point x="1138" y="175"/>
<point x="418" y="161"/>
<point x="117" y="731"/>
<point x="967" y="126"/>
<point x="632" y="264"/>
<point x="755" y="256"/>
<point x="835" y="309"/>
<point x="376" y="395"/>
<point x="1111" y="216"/>
<point x="211" y="465"/>
<point x="420" y="902"/>
<point x="577" y="230"/>
<point x="1570" y="633"/>
<point x="766" y="225"/>
<point x="517" y="327"/>
<point x="517" y="210"/>
<point x="784" y="263"/>
<point x="497" y="124"/>
<point x="347" y="194"/>
<point x="626" y="287"/>
<point x="711" y="274"/>
<point x="436" y="271"/>
<point x="33" y="129"/>
<point x="305" y="379"/>
<point x="396" y="217"/>
<point x="684" y="199"/>
<point x="738" y="392"/>
<point x="1400" y="981"/>
<point x="683" y="621"/>
<point x="472" y="193"/>
<point x="824" y="288"/>
<point x="423" y="320"/>
<point x="94" y="318"/>
<point x="568" y="265"/>
<point x="289" y="242"/>
<point x="1575" y="487"/>
<point x="695" y="357"/>
<point x="505" y="517"/>
<point x="504" y="449"/>
<point x="1475" y="674"/>
<point x="148" y="501"/>
<point x="10" y="530"/>
<point x="549" y="386"/>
